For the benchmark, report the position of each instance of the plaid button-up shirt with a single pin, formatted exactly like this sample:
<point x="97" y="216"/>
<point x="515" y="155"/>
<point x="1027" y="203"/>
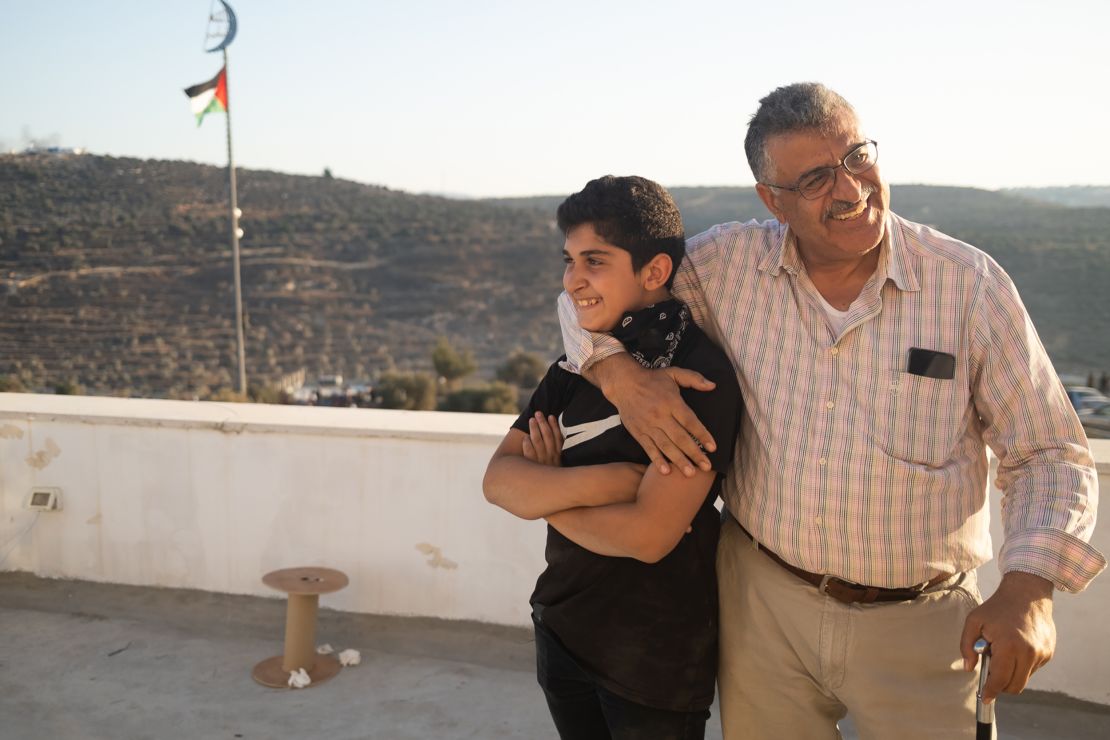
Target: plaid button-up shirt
<point x="849" y="465"/>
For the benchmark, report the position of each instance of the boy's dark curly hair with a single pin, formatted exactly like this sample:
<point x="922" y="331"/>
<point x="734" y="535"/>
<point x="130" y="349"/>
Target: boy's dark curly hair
<point x="632" y="213"/>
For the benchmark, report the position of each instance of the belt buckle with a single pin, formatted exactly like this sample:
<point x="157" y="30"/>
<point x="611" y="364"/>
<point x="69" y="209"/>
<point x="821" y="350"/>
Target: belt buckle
<point x="850" y="593"/>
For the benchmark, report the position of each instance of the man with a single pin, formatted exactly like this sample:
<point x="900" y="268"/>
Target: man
<point x="877" y="359"/>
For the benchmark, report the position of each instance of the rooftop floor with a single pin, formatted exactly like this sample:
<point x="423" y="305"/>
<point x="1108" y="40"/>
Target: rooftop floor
<point x="90" y="660"/>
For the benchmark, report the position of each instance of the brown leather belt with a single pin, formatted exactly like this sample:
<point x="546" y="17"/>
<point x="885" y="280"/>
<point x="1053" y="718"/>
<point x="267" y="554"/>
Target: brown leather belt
<point x="846" y="591"/>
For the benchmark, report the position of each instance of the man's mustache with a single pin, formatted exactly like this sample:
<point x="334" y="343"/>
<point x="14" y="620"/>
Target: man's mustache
<point x="841" y="206"/>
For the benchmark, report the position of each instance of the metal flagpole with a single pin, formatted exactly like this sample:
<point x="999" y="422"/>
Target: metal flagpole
<point x="225" y="30"/>
<point x="234" y="212"/>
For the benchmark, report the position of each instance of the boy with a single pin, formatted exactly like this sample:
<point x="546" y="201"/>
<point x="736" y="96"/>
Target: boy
<point x="626" y="611"/>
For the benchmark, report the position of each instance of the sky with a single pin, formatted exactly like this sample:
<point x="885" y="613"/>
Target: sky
<point x="523" y="97"/>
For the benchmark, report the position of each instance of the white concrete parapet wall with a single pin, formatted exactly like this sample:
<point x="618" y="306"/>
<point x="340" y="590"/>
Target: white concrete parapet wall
<point x="213" y="495"/>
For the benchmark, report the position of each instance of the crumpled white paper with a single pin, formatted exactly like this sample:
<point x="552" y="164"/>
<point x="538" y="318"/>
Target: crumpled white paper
<point x="350" y="656"/>
<point x="299" y="678"/>
<point x="325" y="649"/>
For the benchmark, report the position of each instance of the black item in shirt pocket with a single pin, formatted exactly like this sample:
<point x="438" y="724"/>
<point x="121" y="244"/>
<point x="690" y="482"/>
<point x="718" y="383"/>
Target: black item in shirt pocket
<point x="931" y="364"/>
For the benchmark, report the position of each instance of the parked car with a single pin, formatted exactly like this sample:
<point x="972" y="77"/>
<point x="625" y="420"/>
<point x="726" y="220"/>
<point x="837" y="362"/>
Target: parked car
<point x="1096" y="421"/>
<point x="1085" y="397"/>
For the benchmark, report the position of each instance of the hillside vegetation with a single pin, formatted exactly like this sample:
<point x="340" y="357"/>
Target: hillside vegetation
<point x="119" y="278"/>
<point x="1058" y="257"/>
<point x="1075" y="196"/>
<point x="117" y="272"/>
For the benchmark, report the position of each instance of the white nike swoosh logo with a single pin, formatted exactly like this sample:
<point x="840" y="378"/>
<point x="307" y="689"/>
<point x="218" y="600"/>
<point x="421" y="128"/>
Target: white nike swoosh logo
<point x="579" y="433"/>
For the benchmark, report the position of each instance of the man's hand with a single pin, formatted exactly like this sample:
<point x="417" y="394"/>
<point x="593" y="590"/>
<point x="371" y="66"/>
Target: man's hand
<point x="1017" y="621"/>
<point x="653" y="412"/>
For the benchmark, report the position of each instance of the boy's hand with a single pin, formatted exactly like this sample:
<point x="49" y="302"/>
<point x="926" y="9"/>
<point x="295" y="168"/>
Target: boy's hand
<point x="544" y="443"/>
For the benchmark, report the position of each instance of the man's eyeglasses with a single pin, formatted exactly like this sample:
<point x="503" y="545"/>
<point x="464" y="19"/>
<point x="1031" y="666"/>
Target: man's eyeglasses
<point x="818" y="183"/>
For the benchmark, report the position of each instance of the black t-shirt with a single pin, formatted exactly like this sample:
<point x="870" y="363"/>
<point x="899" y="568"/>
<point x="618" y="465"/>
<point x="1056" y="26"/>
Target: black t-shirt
<point x="647" y="632"/>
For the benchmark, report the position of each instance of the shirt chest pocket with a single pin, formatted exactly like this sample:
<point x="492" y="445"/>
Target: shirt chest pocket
<point x="918" y="419"/>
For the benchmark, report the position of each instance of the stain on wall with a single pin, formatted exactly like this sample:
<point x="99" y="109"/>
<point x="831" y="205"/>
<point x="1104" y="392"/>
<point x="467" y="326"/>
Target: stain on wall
<point x="39" y="460"/>
<point x="435" y="557"/>
<point x="10" y="431"/>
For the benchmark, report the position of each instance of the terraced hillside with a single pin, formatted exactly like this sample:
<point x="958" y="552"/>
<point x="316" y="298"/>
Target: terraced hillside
<point x="118" y="276"/>
<point x="1059" y="257"/>
<point x="116" y="273"/>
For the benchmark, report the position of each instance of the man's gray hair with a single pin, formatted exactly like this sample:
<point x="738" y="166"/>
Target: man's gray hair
<point x="803" y="106"/>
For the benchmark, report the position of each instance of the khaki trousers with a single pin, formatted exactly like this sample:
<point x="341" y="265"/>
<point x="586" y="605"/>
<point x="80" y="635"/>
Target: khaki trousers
<point x="794" y="661"/>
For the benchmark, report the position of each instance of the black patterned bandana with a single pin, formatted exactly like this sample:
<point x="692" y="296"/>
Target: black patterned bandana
<point x="651" y="335"/>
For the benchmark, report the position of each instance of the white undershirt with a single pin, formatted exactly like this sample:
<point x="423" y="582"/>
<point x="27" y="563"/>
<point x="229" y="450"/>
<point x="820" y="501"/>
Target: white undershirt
<point x="837" y="318"/>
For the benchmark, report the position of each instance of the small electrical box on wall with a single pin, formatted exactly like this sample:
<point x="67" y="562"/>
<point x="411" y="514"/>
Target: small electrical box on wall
<point x="44" y="498"/>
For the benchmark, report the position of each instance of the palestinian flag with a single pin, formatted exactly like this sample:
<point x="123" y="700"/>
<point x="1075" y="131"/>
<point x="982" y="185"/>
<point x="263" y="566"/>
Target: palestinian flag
<point x="209" y="97"/>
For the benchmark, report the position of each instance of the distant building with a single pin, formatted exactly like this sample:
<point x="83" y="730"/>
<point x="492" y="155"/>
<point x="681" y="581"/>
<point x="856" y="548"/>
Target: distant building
<point x="327" y="390"/>
<point x="55" y="151"/>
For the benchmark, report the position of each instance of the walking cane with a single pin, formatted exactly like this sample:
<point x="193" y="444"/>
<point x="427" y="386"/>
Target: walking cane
<point x="984" y="713"/>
